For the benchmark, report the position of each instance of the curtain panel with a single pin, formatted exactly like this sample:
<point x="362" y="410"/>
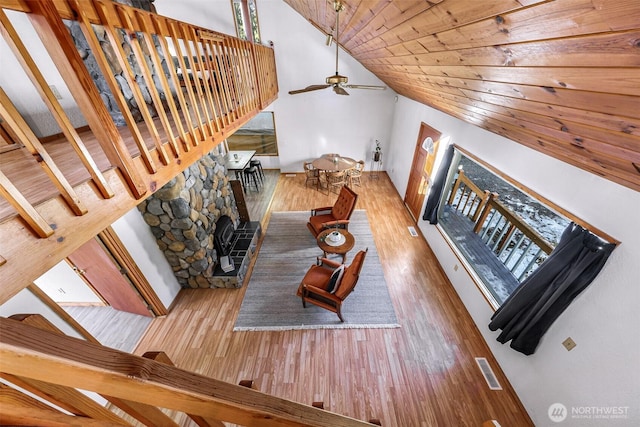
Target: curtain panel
<point x="435" y="194"/>
<point x="533" y="307"/>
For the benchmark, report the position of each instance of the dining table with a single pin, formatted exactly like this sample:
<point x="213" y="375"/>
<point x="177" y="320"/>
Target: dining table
<point x="239" y="159"/>
<point x="333" y="163"/>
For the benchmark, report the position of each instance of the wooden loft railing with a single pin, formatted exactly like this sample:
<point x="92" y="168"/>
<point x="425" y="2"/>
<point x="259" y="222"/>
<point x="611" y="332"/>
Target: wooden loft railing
<point x="38" y="358"/>
<point x="214" y="84"/>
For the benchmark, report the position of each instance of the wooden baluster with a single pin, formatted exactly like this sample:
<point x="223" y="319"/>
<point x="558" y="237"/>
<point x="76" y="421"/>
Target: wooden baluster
<point x="125" y="14"/>
<point x="26" y="211"/>
<point x="20" y="409"/>
<point x="486" y="209"/>
<point x="456" y="186"/>
<point x="162" y="29"/>
<point x="49" y="26"/>
<point x="190" y="42"/>
<point x="190" y="80"/>
<point x="31" y="69"/>
<point x="225" y="71"/>
<point x="483" y="201"/>
<point x="216" y="80"/>
<point x="144" y="21"/>
<point x="53" y="306"/>
<point x="23" y="132"/>
<point x="111" y="22"/>
<point x="202" y="62"/>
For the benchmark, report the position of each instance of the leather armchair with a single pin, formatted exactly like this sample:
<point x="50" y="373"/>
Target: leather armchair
<point x="334" y="216"/>
<point x="314" y="286"/>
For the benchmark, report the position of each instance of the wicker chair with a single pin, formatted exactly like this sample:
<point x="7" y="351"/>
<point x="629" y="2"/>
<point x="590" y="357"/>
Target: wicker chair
<point x="356" y="173"/>
<point x="336" y="180"/>
<point x="311" y="174"/>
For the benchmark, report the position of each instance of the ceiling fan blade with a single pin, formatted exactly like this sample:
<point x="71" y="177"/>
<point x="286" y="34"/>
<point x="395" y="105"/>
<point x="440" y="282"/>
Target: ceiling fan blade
<point x="366" y="87"/>
<point x="308" y="89"/>
<point x="339" y="90"/>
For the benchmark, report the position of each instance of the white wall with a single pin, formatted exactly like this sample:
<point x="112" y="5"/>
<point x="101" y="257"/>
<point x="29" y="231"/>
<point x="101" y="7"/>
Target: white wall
<point x="603" y="370"/>
<point x="313" y="123"/>
<point x="24" y="302"/>
<point x="21" y="91"/>
<point x="136" y="236"/>
<point x="63" y="285"/>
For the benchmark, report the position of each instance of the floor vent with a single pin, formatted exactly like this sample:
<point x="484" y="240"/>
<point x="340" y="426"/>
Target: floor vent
<point x="488" y="374"/>
<point x="413" y="232"/>
<point x="290" y="175"/>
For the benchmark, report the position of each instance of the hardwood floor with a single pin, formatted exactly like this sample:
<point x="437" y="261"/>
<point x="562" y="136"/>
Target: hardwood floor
<point x="258" y="202"/>
<point x="111" y="327"/>
<point x="422" y="374"/>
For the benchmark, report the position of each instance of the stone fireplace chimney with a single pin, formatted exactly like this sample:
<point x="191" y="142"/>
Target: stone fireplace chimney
<point x="183" y="215"/>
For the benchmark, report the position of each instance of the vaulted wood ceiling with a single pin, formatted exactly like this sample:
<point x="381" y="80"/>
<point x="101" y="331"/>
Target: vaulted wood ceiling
<point x="561" y="77"/>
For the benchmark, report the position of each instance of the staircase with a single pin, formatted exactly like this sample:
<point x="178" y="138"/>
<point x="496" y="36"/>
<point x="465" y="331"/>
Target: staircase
<point x="39" y="359"/>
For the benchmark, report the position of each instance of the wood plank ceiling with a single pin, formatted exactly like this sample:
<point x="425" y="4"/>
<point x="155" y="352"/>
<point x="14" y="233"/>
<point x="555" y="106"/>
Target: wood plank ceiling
<point x="561" y="77"/>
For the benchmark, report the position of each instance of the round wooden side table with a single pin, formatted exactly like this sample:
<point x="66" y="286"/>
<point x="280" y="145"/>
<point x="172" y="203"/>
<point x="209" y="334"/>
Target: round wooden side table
<point x="341" y="249"/>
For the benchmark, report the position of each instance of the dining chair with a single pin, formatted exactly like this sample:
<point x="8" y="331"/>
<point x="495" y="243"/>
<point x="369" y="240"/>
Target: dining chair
<point x="355" y="173"/>
<point x="311" y="173"/>
<point x="336" y="180"/>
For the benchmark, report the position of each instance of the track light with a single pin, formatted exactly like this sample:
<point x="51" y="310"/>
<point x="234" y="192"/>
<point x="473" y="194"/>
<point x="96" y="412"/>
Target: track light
<point x="329" y="39"/>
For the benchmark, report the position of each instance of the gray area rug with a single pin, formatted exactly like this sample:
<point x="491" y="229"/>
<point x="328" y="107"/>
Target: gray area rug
<point x="287" y="252"/>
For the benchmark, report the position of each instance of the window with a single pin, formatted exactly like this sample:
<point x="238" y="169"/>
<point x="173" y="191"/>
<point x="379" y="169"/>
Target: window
<point x="502" y="232"/>
<point x="246" y="19"/>
<point x="258" y="134"/>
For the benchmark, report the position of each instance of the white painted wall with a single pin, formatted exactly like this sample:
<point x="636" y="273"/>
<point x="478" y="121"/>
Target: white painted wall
<point x="313" y="123"/>
<point x="136" y="236"/>
<point x="21" y="91"/>
<point x="63" y="285"/>
<point x="604" y="369"/>
<point x="24" y="302"/>
<point x="601" y="371"/>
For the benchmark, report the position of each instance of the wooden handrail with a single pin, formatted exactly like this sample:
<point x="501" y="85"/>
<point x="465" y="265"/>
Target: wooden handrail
<point x="40" y="355"/>
<point x="227" y="82"/>
<point x="467" y="191"/>
<point x="516" y="221"/>
<point x="28" y="64"/>
<point x="540" y="197"/>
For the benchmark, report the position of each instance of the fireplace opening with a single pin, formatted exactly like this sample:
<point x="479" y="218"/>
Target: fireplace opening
<point x="223" y="235"/>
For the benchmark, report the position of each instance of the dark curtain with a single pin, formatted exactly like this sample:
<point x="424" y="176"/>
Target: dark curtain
<point x="531" y="309"/>
<point x="435" y="194"/>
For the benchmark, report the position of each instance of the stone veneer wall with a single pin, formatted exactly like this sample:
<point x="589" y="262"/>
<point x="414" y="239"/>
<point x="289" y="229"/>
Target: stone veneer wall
<point x="183" y="214"/>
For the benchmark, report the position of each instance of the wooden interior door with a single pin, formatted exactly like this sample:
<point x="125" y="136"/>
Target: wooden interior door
<point x="421" y="169"/>
<point x="101" y="272"/>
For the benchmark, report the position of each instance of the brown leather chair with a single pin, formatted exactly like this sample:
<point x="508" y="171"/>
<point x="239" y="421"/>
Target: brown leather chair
<point x="333" y="216"/>
<point x="314" y="286"/>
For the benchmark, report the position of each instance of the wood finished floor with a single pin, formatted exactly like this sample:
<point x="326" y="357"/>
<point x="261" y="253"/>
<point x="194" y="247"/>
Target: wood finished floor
<point x="422" y="374"/>
<point x="112" y="328"/>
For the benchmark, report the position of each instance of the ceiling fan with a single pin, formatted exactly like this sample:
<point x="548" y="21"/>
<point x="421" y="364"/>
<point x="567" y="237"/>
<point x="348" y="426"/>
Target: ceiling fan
<point x="338" y="82"/>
